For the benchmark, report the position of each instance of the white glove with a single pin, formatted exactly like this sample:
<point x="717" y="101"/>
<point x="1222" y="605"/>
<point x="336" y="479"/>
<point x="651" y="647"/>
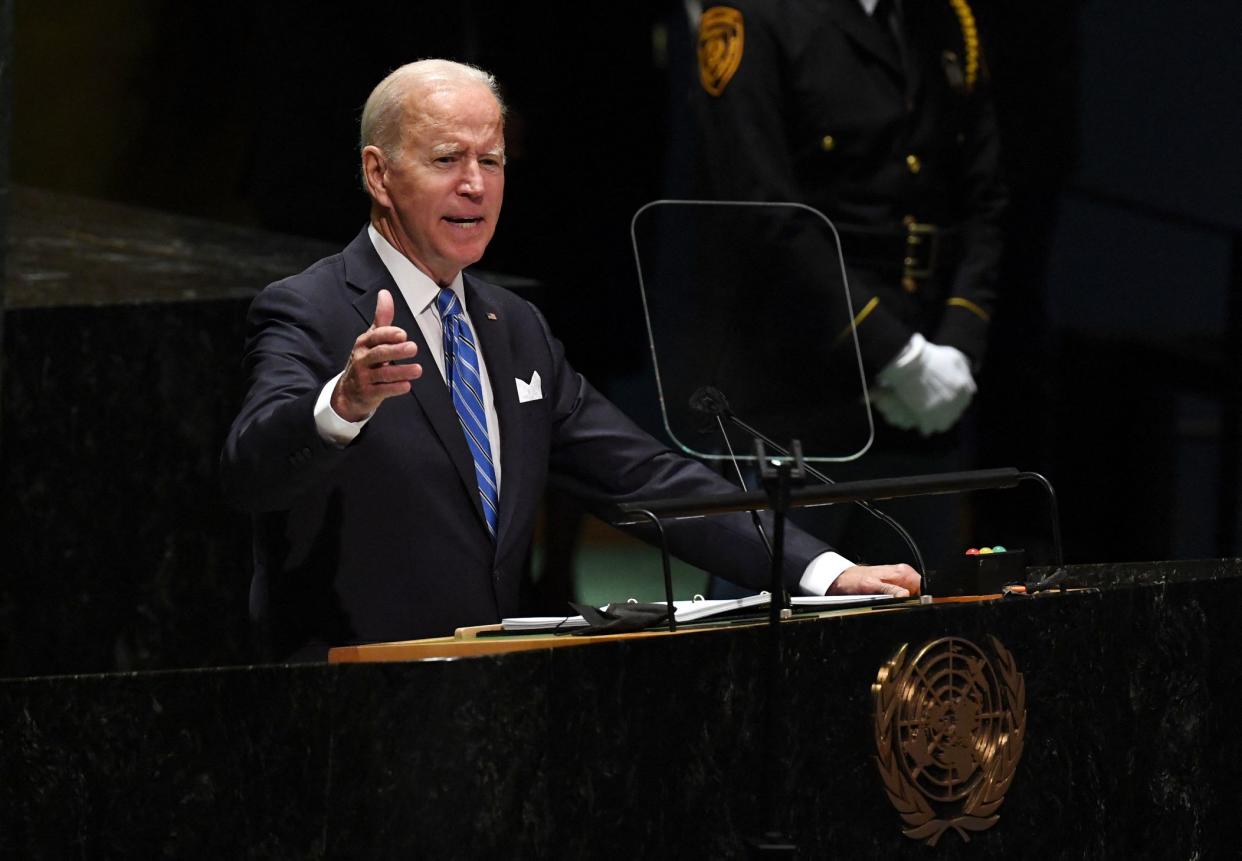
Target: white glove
<point x="933" y="381"/>
<point x="894" y="409"/>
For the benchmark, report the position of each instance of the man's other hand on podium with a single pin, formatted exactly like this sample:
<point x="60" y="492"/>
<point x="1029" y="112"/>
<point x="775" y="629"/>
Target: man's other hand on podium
<point x="900" y="581"/>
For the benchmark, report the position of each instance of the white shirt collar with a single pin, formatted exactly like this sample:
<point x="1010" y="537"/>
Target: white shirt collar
<point x="869" y="6"/>
<point x="419" y="290"/>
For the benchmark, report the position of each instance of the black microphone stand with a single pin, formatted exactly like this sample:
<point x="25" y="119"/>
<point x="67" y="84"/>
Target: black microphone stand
<point x="778" y="475"/>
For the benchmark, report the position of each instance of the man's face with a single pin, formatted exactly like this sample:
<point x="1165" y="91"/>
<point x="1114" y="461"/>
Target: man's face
<point x="442" y="192"/>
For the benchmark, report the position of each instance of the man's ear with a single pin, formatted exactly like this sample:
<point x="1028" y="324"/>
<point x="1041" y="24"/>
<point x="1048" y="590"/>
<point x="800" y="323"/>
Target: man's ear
<point x="375" y="174"/>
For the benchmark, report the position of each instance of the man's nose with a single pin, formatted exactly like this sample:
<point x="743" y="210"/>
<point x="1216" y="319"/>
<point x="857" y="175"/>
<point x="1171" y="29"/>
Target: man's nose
<point x="471" y="182"/>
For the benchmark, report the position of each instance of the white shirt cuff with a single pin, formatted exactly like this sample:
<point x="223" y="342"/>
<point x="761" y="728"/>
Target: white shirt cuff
<point x="823" y="572"/>
<point x="334" y="429"/>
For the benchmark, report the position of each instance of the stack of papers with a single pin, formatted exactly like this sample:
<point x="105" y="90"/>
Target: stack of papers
<point x="699" y="608"/>
<point x="829" y="602"/>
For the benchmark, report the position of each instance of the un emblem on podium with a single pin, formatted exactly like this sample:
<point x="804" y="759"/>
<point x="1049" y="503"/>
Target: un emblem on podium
<point x="949" y="727"/>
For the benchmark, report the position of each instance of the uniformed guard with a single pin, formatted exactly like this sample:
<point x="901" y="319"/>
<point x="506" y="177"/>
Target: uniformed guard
<point x="877" y="113"/>
<point x="879" y="117"/>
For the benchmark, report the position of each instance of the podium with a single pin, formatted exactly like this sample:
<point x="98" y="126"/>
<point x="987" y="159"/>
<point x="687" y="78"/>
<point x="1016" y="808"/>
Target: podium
<point x="646" y="746"/>
<point x="494" y="640"/>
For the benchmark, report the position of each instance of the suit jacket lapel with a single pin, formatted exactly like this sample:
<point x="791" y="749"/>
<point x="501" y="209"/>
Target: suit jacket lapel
<point x="365" y="272"/>
<point x="493" y="334"/>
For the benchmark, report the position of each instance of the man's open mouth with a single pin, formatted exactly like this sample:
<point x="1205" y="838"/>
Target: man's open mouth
<point x="464" y="221"/>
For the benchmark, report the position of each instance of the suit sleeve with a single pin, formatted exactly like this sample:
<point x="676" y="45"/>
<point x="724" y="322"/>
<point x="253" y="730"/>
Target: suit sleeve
<point x="273" y="452"/>
<point x="601" y="456"/>
<point x="972" y="296"/>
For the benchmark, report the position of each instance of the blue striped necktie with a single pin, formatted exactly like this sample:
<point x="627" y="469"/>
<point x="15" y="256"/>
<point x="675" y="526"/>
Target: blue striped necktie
<point x="461" y="371"/>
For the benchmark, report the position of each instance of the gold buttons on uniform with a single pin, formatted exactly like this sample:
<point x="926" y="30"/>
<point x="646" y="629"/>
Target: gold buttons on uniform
<point x="827" y="143"/>
<point x="913" y="163"/>
<point x="919" y="260"/>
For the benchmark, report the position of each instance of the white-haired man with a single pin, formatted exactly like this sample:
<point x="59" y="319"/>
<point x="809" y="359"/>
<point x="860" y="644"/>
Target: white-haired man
<point x="402" y="417"/>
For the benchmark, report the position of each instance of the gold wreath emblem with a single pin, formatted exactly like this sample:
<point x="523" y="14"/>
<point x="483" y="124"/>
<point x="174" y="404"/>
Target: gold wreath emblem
<point x="721" y="39"/>
<point x="949" y="730"/>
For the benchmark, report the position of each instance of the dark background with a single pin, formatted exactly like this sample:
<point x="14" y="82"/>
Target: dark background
<point x="249" y="114"/>
<point x="1113" y="368"/>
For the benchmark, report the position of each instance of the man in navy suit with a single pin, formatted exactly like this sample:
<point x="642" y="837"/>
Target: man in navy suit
<point x="372" y="518"/>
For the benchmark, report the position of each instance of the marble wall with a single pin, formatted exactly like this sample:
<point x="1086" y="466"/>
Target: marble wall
<point x="121" y="375"/>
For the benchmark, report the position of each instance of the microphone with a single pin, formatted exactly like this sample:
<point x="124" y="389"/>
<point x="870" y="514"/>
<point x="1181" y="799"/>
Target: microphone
<point x="710" y="401"/>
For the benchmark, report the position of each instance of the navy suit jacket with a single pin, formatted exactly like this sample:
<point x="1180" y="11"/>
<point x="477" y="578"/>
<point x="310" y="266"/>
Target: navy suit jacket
<point x="384" y="539"/>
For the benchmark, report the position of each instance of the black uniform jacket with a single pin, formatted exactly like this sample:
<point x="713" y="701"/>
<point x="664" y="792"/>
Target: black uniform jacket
<point x="818" y="103"/>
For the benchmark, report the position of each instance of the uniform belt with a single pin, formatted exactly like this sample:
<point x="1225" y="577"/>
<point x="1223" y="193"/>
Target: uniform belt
<point x="916" y="250"/>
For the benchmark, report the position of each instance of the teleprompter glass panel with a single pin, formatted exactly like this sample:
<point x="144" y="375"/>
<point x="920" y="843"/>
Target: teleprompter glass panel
<point x="750" y="322"/>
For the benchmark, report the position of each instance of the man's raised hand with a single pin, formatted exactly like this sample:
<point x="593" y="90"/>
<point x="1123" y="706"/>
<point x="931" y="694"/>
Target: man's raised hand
<point x="370" y="375"/>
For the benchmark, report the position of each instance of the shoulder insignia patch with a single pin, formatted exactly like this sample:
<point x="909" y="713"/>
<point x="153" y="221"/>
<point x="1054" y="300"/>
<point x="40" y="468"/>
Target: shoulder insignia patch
<point x="721" y="38"/>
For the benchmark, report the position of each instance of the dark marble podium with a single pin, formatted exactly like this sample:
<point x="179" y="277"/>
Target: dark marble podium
<point x="121" y="373"/>
<point x="645" y="748"/>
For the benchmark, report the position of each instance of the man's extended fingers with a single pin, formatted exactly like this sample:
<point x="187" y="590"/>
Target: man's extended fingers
<point x="384" y="391"/>
<point x="383" y="310"/>
<point x="395" y="374"/>
<point x="384" y="353"/>
<point x="384" y="335"/>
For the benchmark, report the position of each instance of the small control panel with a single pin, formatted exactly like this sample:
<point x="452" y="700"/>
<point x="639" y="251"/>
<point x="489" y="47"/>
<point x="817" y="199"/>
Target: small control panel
<point x="981" y="571"/>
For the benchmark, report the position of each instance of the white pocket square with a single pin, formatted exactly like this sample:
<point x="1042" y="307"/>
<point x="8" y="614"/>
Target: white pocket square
<point x="532" y="391"/>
